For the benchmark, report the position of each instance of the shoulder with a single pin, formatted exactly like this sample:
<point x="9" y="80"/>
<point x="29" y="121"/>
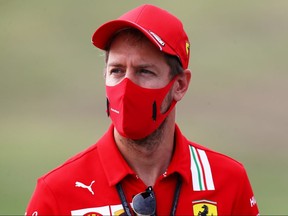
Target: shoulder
<point x="206" y="159"/>
<point x="216" y="170"/>
<point x="84" y="165"/>
<point x="74" y="166"/>
<point x="219" y="162"/>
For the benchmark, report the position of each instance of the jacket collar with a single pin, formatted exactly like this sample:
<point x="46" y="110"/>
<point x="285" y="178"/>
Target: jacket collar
<point x="116" y="168"/>
<point x="180" y="162"/>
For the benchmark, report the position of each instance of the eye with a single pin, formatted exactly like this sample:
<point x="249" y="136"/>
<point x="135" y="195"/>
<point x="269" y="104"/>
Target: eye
<point x="146" y="72"/>
<point x="116" y="71"/>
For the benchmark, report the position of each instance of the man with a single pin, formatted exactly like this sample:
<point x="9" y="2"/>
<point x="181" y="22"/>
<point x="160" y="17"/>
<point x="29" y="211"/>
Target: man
<point x="143" y="164"/>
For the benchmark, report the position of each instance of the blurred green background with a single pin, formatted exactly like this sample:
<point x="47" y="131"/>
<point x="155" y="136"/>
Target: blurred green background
<point x="53" y="102"/>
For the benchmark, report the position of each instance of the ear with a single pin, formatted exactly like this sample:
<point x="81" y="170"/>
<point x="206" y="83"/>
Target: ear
<point x="181" y="84"/>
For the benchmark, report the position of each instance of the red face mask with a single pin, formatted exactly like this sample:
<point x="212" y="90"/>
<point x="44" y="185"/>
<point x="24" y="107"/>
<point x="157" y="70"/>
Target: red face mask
<point x="134" y="110"/>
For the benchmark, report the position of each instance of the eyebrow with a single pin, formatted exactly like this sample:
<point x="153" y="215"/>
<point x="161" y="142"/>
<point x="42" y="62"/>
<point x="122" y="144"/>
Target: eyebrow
<point x="147" y="66"/>
<point x="115" y="64"/>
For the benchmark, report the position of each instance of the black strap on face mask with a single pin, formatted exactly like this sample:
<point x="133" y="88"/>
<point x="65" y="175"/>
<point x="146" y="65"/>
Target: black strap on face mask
<point x="154" y="111"/>
<point x="108" y="107"/>
<point x="126" y="205"/>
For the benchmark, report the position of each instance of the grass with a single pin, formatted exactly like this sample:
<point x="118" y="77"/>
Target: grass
<point x="53" y="101"/>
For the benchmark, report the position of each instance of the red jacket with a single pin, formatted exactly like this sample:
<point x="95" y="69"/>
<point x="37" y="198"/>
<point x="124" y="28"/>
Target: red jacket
<point x="86" y="184"/>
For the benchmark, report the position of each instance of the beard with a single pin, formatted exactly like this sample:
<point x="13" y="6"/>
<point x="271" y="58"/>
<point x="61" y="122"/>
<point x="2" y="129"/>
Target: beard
<point x="151" y="141"/>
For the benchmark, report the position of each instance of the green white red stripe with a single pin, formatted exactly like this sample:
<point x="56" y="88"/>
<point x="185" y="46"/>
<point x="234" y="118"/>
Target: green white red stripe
<point x="202" y="178"/>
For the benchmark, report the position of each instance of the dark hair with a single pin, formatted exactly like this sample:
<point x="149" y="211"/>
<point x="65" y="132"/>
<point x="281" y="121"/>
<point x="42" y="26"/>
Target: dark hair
<point x="172" y="61"/>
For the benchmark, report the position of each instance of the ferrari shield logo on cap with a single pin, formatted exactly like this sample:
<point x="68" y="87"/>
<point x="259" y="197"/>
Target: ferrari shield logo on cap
<point x="187" y="48"/>
<point x="205" y="207"/>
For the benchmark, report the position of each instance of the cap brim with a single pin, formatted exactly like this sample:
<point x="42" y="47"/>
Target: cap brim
<point x="105" y="32"/>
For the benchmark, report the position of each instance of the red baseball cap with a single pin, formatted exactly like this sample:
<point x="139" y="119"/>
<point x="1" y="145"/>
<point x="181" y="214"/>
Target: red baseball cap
<point x="161" y="27"/>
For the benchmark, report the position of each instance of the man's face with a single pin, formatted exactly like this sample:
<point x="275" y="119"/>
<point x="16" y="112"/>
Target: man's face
<point x="140" y="61"/>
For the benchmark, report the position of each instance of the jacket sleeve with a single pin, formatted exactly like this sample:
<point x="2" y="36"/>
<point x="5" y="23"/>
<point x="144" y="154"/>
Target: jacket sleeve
<point x="42" y="202"/>
<point x="245" y="203"/>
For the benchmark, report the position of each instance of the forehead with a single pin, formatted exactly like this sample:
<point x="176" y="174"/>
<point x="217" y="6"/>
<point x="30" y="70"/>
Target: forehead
<point x="134" y="43"/>
<point x="133" y="36"/>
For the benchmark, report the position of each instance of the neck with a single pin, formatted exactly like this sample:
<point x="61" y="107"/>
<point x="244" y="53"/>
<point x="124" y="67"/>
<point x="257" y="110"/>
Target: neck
<point x="149" y="157"/>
